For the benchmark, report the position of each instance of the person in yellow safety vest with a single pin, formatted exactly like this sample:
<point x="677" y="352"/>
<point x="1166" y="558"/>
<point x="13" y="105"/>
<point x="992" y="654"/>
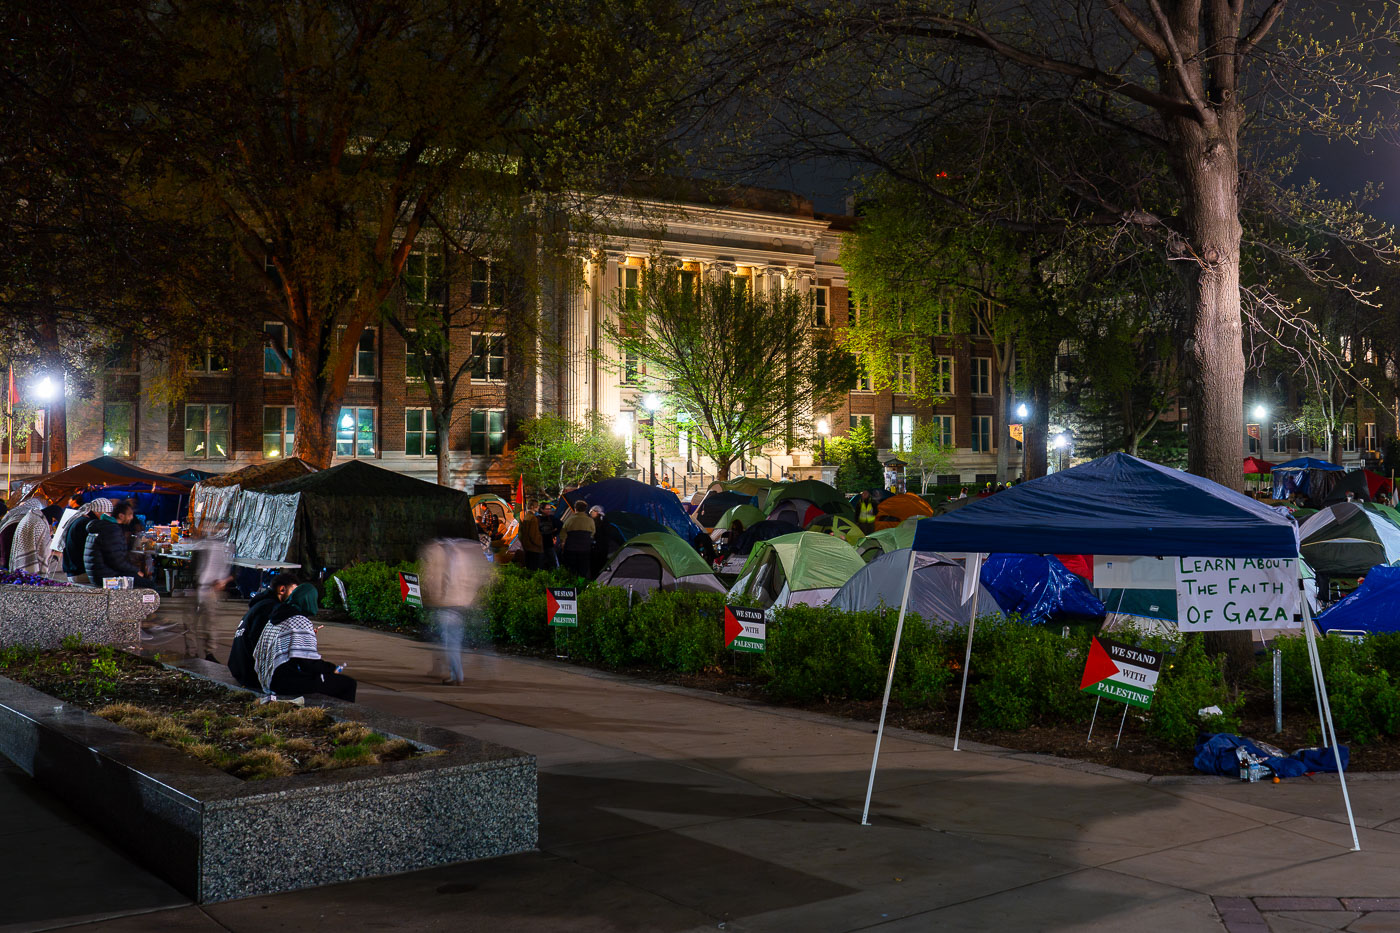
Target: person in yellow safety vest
<point x="865" y="511"/>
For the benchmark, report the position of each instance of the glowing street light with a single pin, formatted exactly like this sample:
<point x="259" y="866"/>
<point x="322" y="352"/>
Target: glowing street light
<point x="45" y="390"/>
<point x="651" y="403"/>
<point x="823" y="429"/>
<point x="1022" y="411"/>
<point x="1260" y="412"/>
<point x="1061" y="441"/>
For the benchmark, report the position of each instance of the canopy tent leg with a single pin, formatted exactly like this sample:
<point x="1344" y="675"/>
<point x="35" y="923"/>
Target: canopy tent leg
<point x="889" y="682"/>
<point x="967" y="654"/>
<point x="1315" y="660"/>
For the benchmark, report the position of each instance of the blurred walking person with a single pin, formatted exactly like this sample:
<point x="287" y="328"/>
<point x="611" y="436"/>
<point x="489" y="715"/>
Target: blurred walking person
<point x="211" y="576"/>
<point x="452" y="569"/>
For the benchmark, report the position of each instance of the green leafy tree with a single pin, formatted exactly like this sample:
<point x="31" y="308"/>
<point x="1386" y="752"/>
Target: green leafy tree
<point x="556" y="454"/>
<point x="748" y="370"/>
<point x="928" y="456"/>
<point x="858" y="463"/>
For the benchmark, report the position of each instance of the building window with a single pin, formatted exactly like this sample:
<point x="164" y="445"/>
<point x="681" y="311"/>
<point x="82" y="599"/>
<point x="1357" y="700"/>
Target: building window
<point x="354" y="433"/>
<point x="904" y="373"/>
<point x="626" y="421"/>
<point x="867" y="420"/>
<point x="902" y="432"/>
<point x="422" y="276"/>
<point x="863" y="381"/>
<point x="1185" y="427"/>
<point x="1305" y="443"/>
<point x="629" y="286"/>
<point x="413" y="360"/>
<point x="1252" y="436"/>
<point x="1279" y="440"/>
<point x="419" y="433"/>
<point x="740" y="283"/>
<point x="277" y="335"/>
<point x="943" y="429"/>
<point x="488" y="432"/>
<point x="279" y="431"/>
<point x="819" y="300"/>
<point x="488" y="286"/>
<point x="943" y="375"/>
<point x="116" y="429"/>
<point x="488" y="357"/>
<point x="364" y="365"/>
<point x="209" y="359"/>
<point x="1349" y="438"/>
<point x="981" y="375"/>
<point x="981" y="434"/>
<point x="1371" y="436"/>
<point x="206" y="432"/>
<point x="122" y="357"/>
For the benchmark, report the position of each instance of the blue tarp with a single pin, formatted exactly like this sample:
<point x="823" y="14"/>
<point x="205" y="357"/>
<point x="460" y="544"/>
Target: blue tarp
<point x="1038" y="588"/>
<point x="1307" y="463"/>
<point x="628" y="495"/>
<point x="1114" y="505"/>
<point x="1373" y="607"/>
<point x="1215" y="754"/>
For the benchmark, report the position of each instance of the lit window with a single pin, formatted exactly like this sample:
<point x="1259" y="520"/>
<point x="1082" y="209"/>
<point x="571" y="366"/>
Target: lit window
<point x="902" y="432"/>
<point x="904" y="373"/>
<point x="279" y="431"/>
<point x="354" y="433"/>
<point x="819" y="302"/>
<point x="365" y="363"/>
<point x="1371" y="436"/>
<point x="1349" y="438"/>
<point x="206" y="432"/>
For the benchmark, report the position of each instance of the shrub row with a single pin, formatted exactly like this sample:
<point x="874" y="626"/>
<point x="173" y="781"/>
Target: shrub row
<point x="373" y="597"/>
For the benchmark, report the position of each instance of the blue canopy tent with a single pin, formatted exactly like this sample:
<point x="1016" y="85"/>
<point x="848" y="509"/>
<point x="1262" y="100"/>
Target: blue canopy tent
<point x="628" y="495"/>
<point x="1115" y="505"/>
<point x="1295" y="476"/>
<point x="1373" y="607"/>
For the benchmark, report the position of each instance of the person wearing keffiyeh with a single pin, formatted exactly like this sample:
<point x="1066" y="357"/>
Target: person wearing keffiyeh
<point x="287" y="659"/>
<point x="22" y="552"/>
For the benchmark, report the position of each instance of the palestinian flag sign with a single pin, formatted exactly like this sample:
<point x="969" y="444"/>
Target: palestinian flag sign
<point x="1121" y="672"/>
<point x="561" y="606"/>
<point x="408" y="589"/>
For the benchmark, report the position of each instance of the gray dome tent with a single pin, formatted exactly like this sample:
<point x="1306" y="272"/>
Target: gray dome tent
<point x="935" y="593"/>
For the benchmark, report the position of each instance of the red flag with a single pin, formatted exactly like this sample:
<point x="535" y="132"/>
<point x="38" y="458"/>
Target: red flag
<point x="13" y="398"/>
<point x="520" y="491"/>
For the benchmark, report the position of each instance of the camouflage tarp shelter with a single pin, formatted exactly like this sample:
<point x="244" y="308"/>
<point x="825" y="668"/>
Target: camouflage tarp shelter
<point x="215" y="499"/>
<point x="355" y="511"/>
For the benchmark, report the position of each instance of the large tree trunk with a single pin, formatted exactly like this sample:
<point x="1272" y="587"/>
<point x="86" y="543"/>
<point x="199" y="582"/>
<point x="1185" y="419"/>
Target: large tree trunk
<point x="56" y="414"/>
<point x="444" y="455"/>
<point x="1209" y="171"/>
<point x="1001" y="432"/>
<point x="1037" y="428"/>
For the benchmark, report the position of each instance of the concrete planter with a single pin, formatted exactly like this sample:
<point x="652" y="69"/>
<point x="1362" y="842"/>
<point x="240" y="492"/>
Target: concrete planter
<point x="42" y="616"/>
<point x="216" y="837"/>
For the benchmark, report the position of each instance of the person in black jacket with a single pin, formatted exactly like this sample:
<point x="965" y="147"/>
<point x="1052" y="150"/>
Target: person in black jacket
<point x="75" y="539"/>
<point x="250" y="628"/>
<point x="106" y="553"/>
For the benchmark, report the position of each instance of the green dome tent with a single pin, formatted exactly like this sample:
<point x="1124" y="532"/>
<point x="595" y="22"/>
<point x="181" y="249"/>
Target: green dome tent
<point x="756" y="486"/>
<point x="1349" y="539"/>
<point x="796" y="569"/>
<point x="841" y="526"/>
<point x="662" y="561"/>
<point x="791" y="502"/>
<point x="747" y="515"/>
<point x="887" y="540"/>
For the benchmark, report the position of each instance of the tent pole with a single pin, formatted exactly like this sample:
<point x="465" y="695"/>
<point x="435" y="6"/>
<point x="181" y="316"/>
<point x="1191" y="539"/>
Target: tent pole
<point x="1316" y="661"/>
<point x="967" y="662"/>
<point x="889" y="682"/>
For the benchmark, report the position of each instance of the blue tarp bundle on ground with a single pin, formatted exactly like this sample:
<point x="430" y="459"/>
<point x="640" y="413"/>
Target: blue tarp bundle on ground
<point x="1114" y="505"/>
<point x="1215" y="754"/>
<point x="1373" y="607"/>
<point x="628" y="495"/>
<point x="1038" y="588"/>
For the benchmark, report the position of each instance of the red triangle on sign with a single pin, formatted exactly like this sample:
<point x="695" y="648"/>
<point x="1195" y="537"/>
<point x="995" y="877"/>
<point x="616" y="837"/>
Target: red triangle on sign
<point x="732" y="628"/>
<point x="1099" y="666"/>
<point x="551" y="606"/>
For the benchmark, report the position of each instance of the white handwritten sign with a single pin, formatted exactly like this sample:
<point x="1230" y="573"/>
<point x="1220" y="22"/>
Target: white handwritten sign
<point x="1225" y="593"/>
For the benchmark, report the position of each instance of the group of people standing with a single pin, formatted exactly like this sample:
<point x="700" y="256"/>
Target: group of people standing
<point x="579" y="543"/>
<point x="95" y="546"/>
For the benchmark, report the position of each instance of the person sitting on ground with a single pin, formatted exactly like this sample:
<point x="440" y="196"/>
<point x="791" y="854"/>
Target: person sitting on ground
<point x="576" y="536"/>
<point x="250" y="627"/>
<point x="286" y="657"/>
<point x="105" y="554"/>
<point x="75" y="538"/>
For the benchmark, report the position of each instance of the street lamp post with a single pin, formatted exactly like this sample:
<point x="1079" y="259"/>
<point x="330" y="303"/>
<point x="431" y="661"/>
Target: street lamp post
<point x="651" y="403"/>
<point x="1061" y="443"/>
<point x="1023" y="412"/>
<point x="44" y="392"/>
<point x="823" y="429"/>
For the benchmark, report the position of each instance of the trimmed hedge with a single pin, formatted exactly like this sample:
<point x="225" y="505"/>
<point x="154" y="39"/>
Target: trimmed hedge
<point x="373" y="595"/>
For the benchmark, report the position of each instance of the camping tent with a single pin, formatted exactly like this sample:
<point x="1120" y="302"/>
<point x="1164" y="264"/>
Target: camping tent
<point x="103" y="473"/>
<point x="628" y="495"/>
<point x="193" y="475"/>
<point x="795" y="499"/>
<point x="746" y="515"/>
<point x="487" y="501"/>
<point x="1349" y="539"/>
<point x="887" y="540"/>
<point x="1373" y="607"/>
<point x="751" y="537"/>
<point x="796" y="568"/>
<point x="718" y="504"/>
<point x="953" y="504"/>
<point x="935" y="593"/>
<point x="1115" y="505"/>
<point x="896" y="509"/>
<point x="1307" y="476"/>
<point x="1255" y="465"/>
<point x="355" y="511"/>
<point x="839" y="525"/>
<point x="215" y="500"/>
<point x="659" y="561"/>
<point x="757" y="486"/>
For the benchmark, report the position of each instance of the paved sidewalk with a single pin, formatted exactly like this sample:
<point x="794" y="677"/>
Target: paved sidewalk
<point x="668" y="810"/>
